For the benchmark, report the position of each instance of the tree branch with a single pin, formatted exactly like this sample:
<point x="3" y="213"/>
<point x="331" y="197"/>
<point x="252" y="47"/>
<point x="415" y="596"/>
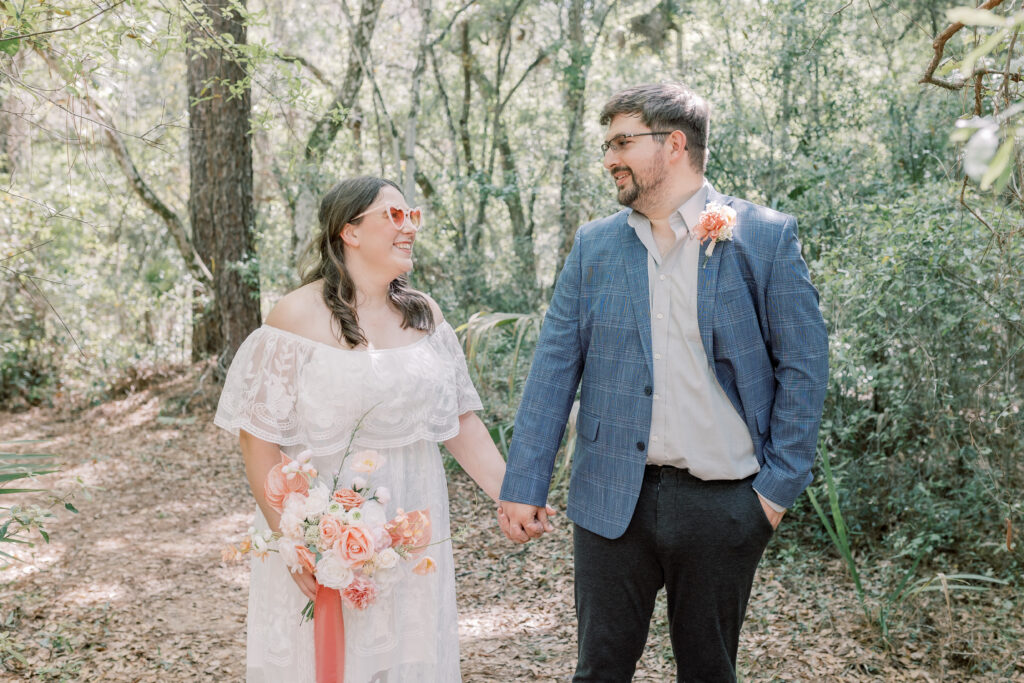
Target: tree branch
<point x="939" y="46"/>
<point x="66" y="28"/>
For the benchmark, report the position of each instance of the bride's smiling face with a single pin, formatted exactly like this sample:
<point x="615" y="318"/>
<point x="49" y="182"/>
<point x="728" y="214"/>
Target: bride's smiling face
<point x="374" y="238"/>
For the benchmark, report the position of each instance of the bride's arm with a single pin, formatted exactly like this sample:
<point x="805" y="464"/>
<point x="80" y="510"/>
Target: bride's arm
<point x="260" y="457"/>
<point x="475" y="451"/>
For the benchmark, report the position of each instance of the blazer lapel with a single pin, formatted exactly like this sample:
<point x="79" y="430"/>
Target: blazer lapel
<point x="707" y="283"/>
<point x="634" y="256"/>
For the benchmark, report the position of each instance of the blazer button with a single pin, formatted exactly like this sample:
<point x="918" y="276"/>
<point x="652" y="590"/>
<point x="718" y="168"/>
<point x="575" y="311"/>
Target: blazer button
<point x="648" y="390"/>
<point x="640" y="445"/>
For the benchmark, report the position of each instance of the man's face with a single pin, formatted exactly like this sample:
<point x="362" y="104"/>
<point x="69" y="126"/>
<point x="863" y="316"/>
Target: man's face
<point x="637" y="164"/>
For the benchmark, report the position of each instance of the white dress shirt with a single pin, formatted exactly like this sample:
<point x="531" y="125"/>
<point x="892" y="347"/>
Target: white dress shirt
<point x="694" y="425"/>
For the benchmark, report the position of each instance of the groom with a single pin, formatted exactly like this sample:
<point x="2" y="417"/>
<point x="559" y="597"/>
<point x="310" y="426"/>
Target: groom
<point x="703" y="369"/>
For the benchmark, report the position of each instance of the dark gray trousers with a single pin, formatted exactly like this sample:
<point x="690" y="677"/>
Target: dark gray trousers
<point x="702" y="541"/>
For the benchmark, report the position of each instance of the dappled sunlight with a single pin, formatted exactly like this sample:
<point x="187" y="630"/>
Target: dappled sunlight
<point x="497" y="620"/>
<point x="93" y="593"/>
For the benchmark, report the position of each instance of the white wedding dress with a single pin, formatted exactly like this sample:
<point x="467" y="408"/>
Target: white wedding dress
<point x="302" y="394"/>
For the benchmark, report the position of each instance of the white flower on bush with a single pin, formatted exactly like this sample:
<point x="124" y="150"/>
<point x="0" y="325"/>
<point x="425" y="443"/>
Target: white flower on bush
<point x="332" y="572"/>
<point x="979" y="151"/>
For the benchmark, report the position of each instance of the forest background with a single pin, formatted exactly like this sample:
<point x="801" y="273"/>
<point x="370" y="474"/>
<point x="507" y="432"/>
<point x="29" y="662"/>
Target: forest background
<point x="161" y="164"/>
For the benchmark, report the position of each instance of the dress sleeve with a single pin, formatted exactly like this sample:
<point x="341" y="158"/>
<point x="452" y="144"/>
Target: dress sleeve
<point x="260" y="389"/>
<point x="468" y="398"/>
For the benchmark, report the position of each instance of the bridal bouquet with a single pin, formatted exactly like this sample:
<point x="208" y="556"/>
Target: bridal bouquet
<point x="340" y="533"/>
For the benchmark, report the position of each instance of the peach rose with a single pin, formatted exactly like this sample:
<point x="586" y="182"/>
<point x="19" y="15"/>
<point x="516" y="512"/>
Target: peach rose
<point x="410" y="529"/>
<point x="425" y="566"/>
<point x="280" y="484"/>
<point x="359" y="594"/>
<point x="331" y="531"/>
<point x="356" y="545"/>
<point x="716" y="222"/>
<point x="306" y="558"/>
<point x="348" y="498"/>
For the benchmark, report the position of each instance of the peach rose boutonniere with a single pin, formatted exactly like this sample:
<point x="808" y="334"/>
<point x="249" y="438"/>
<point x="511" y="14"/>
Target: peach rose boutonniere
<point x="715" y="224"/>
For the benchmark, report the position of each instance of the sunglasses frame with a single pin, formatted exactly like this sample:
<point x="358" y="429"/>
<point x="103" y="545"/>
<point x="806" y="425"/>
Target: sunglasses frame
<point x="390" y="208"/>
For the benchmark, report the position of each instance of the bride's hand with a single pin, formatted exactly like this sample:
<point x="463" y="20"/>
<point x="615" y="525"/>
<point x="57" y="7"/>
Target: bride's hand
<point x="306" y="583"/>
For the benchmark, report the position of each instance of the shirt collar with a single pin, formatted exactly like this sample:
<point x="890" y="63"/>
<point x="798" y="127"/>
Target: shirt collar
<point x="683" y="219"/>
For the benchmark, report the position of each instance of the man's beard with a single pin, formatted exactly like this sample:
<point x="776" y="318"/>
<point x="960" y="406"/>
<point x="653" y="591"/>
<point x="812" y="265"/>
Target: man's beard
<point x="639" y="194"/>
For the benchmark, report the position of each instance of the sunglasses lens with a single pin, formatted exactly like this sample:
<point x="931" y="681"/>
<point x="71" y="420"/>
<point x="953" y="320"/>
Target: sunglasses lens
<point x="415" y="217"/>
<point x="396" y="215"/>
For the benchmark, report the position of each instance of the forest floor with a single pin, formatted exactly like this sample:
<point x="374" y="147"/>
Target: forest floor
<point x="133" y="588"/>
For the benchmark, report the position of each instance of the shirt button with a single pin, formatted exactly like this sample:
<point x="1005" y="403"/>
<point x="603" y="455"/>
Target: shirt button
<point x="657" y="356"/>
<point x="659" y="316"/>
<point x="639" y="445"/>
<point x="648" y="390"/>
<point x="656" y="397"/>
<point x="654" y="438"/>
<point x="661" y="277"/>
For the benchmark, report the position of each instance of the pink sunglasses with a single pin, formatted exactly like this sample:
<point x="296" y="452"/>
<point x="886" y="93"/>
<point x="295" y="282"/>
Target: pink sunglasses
<point x="398" y="215"/>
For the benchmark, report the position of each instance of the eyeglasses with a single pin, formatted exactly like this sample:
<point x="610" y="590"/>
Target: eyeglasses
<point x="619" y="142"/>
<point x="398" y="215"/>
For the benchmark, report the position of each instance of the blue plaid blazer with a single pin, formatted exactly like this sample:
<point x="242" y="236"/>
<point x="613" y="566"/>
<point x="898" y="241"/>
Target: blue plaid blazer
<point x="762" y="332"/>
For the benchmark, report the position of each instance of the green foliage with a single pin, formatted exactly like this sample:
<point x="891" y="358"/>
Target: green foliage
<point x="18" y="521"/>
<point x="818" y="112"/>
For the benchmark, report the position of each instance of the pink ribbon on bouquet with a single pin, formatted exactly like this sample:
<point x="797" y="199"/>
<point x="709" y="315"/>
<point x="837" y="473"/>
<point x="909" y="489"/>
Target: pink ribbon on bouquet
<point x="329" y="636"/>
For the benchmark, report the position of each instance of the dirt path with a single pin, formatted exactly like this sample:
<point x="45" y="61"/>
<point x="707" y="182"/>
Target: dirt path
<point x="133" y="587"/>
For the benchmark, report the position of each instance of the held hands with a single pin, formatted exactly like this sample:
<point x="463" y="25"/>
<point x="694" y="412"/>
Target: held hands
<point x="522" y="522"/>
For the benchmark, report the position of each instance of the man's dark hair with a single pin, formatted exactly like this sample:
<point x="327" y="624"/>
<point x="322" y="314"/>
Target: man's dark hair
<point x="666" y="107"/>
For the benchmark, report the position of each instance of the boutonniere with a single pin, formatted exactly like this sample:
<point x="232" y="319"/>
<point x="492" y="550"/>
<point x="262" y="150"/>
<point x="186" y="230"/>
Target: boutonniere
<point x="716" y="223"/>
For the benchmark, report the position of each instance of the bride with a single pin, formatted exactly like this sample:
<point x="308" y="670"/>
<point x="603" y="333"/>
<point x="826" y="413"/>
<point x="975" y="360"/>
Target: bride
<point x="356" y="340"/>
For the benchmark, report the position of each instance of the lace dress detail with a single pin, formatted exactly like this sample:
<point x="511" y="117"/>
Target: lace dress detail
<point x="302" y="394"/>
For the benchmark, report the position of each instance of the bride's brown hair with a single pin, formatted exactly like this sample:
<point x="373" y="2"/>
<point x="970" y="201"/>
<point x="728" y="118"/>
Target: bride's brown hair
<point x="340" y="206"/>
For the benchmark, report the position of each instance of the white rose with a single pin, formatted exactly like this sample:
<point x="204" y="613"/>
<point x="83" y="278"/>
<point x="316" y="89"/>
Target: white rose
<point x="336" y="509"/>
<point x="374" y="514"/>
<point x="332" y="573"/>
<point x="383" y="495"/>
<point x="317" y="501"/>
<point x="387" y="559"/>
<point x="358" y="483"/>
<point x="354" y="516"/>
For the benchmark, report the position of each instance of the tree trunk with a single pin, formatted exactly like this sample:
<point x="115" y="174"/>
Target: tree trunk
<point x="312" y="184"/>
<point x="220" y="195"/>
<point x="575" y="89"/>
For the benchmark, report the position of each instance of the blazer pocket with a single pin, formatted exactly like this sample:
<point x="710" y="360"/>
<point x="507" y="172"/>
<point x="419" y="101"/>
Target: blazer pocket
<point x="732" y="294"/>
<point x="764" y="420"/>
<point x="587" y="426"/>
